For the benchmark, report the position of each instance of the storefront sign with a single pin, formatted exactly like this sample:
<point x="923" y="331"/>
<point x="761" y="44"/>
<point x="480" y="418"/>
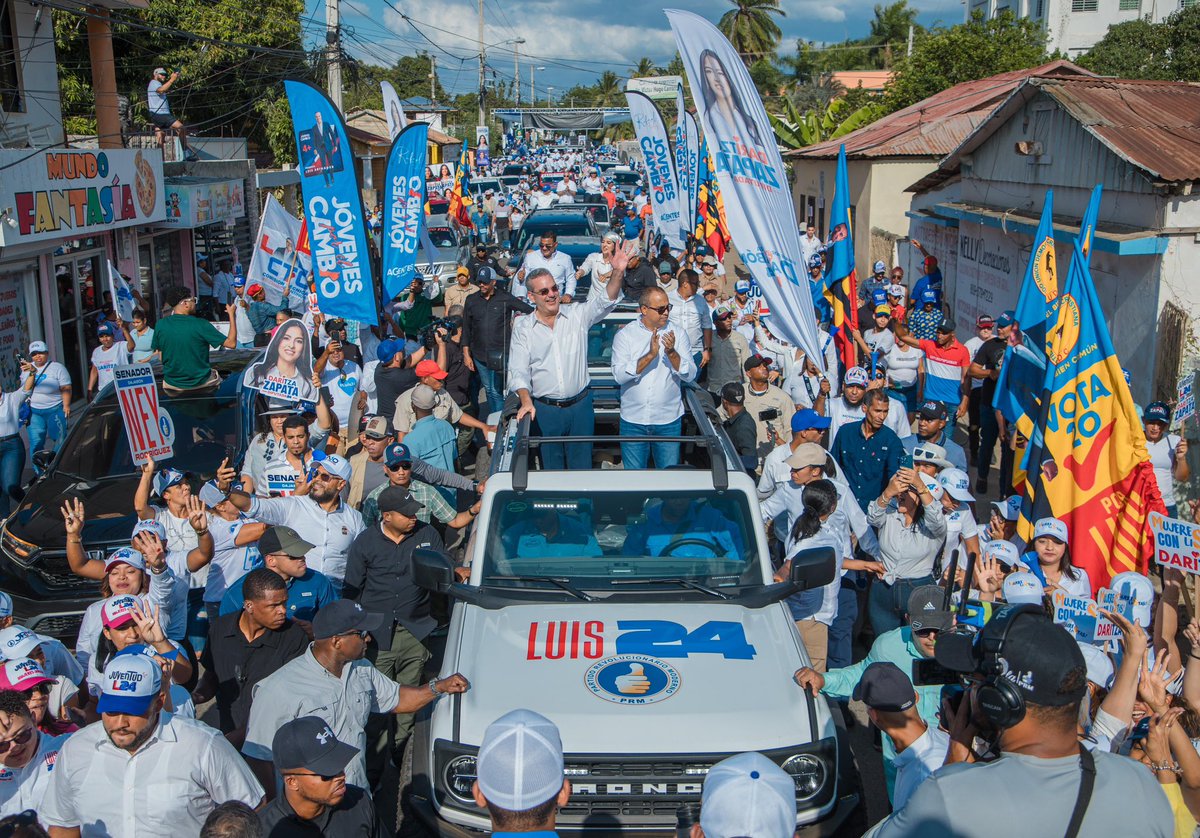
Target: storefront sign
<point x="67" y="193"/>
<point x="195" y="202"/>
<point x="14" y="329"/>
<point x="990" y="268"/>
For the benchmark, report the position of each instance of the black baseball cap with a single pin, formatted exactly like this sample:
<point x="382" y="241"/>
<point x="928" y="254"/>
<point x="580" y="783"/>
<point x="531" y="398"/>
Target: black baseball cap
<point x="884" y="686"/>
<point x="947" y="326"/>
<point x="398" y="499"/>
<point x="1043" y="661"/>
<point x="307" y="742"/>
<point x="932" y="410"/>
<point x="484" y="275"/>
<point x="283" y="540"/>
<point x="756" y="361"/>
<point x="343" y="617"/>
<point x="925" y="609"/>
<point x="734" y="393"/>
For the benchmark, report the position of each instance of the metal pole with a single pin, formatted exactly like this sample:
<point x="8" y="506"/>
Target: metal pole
<point x="334" y="69"/>
<point x="432" y="78"/>
<point x="532" y="95"/>
<point x="517" y="68"/>
<point x="910" y="40"/>
<point x="482" y="62"/>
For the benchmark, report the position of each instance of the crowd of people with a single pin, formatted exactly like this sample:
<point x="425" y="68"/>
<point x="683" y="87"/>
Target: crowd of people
<point x="281" y="590"/>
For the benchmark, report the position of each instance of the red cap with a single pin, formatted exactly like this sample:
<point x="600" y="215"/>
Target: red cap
<point x="253" y="288"/>
<point x="432" y="369"/>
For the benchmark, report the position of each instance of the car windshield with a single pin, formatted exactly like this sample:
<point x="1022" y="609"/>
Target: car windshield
<point x="205" y="432"/>
<point x="442" y="238"/>
<point x="602" y="540"/>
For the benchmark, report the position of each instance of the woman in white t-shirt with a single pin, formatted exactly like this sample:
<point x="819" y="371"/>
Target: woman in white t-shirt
<point x="106" y="357"/>
<point x="51" y="400"/>
<point x="1168" y="453"/>
<point x="906" y="376"/>
<point x="958" y="506"/>
<point x="599" y="265"/>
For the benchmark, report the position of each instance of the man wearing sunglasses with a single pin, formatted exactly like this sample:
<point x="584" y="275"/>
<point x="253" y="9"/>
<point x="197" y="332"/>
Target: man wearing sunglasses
<point x="401" y="468"/>
<point x="548" y="363"/>
<point x="547" y="257"/>
<point x="730" y="351"/>
<point x="333" y="676"/>
<point x="913" y="642"/>
<point x="650" y="360"/>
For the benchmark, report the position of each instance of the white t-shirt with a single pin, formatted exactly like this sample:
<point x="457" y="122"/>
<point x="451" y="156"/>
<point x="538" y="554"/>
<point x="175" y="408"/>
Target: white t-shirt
<point x="1162" y="459"/>
<point x="879" y="341"/>
<point x="902" y="361"/>
<point x="279" y="475"/>
<point x="343" y="385"/>
<point x="105" y="360"/>
<point x="50" y="381"/>
<point x="960" y="525"/>
<point x="230" y="562"/>
<point x="22" y="788"/>
<point x="972" y="346"/>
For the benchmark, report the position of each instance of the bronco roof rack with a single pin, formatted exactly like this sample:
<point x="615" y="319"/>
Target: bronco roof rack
<point x="697" y="404"/>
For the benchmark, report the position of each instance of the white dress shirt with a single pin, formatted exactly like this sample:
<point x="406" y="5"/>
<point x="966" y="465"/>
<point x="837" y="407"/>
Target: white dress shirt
<point x="551" y="363"/>
<point x="692" y="316"/>
<point x="560" y="266"/>
<point x="182" y="772"/>
<point x="653" y="396"/>
<point x="917" y="762"/>
<point x="331" y="533"/>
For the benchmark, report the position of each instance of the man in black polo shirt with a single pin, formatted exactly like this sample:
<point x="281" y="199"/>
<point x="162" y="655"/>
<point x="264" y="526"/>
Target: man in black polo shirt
<point x="316" y="799"/>
<point x="379" y="577"/>
<point x="487" y="325"/>
<point x="246" y="646"/>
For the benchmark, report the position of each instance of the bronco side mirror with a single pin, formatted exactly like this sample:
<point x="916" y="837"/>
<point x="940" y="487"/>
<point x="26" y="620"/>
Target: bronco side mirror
<point x="433" y="571"/>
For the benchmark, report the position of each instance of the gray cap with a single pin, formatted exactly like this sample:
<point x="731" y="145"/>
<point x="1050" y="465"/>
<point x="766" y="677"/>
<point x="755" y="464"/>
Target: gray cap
<point x="424" y="397"/>
<point x="520" y="762"/>
<point x="307" y="742"/>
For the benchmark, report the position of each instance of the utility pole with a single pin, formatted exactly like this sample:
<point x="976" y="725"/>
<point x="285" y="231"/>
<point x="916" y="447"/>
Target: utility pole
<point x="532" y="94"/>
<point x="910" y="40"/>
<point x="104" y="79"/>
<point x="333" y="77"/>
<point x="432" y="78"/>
<point x="517" y="68"/>
<point x="482" y="63"/>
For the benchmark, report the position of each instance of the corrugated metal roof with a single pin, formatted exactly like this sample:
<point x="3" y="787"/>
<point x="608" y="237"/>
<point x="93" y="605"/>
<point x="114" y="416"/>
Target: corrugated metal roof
<point x="866" y="79"/>
<point x="1154" y="125"/>
<point x="934" y="127"/>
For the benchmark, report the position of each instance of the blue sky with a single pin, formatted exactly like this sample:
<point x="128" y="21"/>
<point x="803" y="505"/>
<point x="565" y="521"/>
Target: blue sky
<point x="575" y="40"/>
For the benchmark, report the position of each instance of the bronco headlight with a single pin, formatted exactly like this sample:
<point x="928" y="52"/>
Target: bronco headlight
<point x="808" y="772"/>
<point x="459" y="776"/>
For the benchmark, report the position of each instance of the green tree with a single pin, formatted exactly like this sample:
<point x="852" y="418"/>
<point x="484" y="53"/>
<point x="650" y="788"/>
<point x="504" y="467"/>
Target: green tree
<point x="409" y="76"/>
<point x="1140" y="49"/>
<point x="751" y="29"/>
<point x="817" y="93"/>
<point x="645" y="67"/>
<point x="231" y="64"/>
<point x="607" y="91"/>
<point x="801" y="66"/>
<point x="794" y="129"/>
<point x="889" y="29"/>
<point x="972" y="50"/>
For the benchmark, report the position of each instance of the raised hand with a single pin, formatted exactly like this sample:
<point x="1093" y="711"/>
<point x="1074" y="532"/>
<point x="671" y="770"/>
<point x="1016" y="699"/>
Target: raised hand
<point x="197" y="514"/>
<point x="149" y="627"/>
<point x="1152" y="687"/>
<point x="73" y="516"/>
<point x="455" y="683"/>
<point x="152" y="551"/>
<point x="226" y="474"/>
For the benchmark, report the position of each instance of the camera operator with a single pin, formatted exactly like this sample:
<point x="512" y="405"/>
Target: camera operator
<point x="1026" y="689"/>
<point x="414" y="308"/>
<point x="769" y="406"/>
<point x="448" y="352"/>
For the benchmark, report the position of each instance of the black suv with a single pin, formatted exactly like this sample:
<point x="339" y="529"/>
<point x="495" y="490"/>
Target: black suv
<point x="94" y="463"/>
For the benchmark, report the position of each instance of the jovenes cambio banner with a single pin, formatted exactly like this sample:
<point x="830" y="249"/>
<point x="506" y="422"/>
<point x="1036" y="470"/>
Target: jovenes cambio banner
<point x="758" y="203"/>
<point x="665" y="197"/>
<point x="404" y="207"/>
<point x="332" y="206"/>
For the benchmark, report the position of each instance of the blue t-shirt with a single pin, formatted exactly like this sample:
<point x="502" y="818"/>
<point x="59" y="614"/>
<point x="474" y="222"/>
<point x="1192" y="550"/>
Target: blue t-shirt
<point x="633" y="227"/>
<point x="306" y="595"/>
<point x="931" y="281"/>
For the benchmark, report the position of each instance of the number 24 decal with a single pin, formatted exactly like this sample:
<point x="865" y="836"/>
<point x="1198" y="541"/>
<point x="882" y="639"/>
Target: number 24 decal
<point x="663" y="639"/>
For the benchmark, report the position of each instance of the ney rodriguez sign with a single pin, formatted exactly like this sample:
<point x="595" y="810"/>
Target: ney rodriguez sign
<point x="62" y="193"/>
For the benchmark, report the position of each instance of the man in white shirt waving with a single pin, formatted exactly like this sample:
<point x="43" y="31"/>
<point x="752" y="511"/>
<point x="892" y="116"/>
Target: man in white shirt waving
<point x="547" y="365"/>
<point x="650" y="359"/>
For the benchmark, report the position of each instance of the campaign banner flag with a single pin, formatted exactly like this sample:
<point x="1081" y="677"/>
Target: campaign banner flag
<point x="122" y="294"/>
<point x="277" y="262"/>
<point x="1176" y="543"/>
<point x="687" y="162"/>
<point x="841" y="280"/>
<point x="1024" y="367"/>
<point x="333" y="207"/>
<point x="711" y="228"/>
<point x="1087" y="457"/>
<point x="761" y="217"/>
<point x="460" y="192"/>
<point x="691" y="139"/>
<point x="392" y="110"/>
<point x="660" y="166"/>
<point x="148" y="425"/>
<point x="404" y="207"/>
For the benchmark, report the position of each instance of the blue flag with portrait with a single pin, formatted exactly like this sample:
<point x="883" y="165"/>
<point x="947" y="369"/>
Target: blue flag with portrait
<point x="403" y="207"/>
<point x="333" y="207"/>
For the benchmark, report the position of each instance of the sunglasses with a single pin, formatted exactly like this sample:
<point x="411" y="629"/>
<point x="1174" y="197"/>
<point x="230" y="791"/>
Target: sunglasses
<point x="40" y="689"/>
<point x="658" y="309"/>
<point x="723" y="317"/>
<point x="399" y="466"/>
<point x="547" y="291"/>
<point x="324" y="778"/>
<point x="925" y="632"/>
<point x="18" y="740"/>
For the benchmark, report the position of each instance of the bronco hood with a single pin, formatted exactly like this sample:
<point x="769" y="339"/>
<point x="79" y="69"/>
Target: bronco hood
<point x="616" y="682"/>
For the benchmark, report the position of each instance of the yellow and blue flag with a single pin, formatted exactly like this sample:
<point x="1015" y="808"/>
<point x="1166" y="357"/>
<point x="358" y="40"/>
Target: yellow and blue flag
<point x="841" y="281"/>
<point x="1087" y="460"/>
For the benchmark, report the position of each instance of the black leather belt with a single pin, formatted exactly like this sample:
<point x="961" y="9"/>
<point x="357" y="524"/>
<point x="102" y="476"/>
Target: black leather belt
<point x="575" y="399"/>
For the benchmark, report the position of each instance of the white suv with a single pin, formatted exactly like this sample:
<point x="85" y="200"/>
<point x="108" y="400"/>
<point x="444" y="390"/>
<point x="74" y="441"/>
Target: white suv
<point x="637" y="611"/>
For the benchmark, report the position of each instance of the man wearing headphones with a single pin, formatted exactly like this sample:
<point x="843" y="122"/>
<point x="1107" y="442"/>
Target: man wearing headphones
<point x="1027" y="683"/>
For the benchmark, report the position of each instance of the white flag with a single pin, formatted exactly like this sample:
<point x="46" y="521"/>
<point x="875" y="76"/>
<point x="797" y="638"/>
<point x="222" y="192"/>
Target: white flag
<point x="665" y="198"/>
<point x="122" y="294"/>
<point x="392" y="109"/>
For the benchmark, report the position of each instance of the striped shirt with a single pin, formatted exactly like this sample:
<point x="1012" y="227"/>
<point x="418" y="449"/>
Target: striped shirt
<point x="944" y="368"/>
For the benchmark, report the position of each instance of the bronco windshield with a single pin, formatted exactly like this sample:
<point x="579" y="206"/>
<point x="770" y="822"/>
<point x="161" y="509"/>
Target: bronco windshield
<point x="615" y="540"/>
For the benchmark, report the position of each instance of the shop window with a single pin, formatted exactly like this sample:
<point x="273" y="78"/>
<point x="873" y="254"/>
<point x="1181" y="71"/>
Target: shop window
<point x="11" y="99"/>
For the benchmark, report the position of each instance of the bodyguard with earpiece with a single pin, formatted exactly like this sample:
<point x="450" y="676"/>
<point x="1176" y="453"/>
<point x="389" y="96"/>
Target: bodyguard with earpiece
<point x="1025" y="679"/>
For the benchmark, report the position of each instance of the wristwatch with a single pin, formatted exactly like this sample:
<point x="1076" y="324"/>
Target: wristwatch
<point x="433" y="686"/>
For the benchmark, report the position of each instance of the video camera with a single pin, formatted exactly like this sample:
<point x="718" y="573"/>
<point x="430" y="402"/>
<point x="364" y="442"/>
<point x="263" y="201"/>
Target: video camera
<point x="427" y="337"/>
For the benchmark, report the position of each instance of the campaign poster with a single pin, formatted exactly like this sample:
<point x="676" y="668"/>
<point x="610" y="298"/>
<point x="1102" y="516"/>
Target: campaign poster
<point x="147" y="424"/>
<point x="278" y="263"/>
<point x="286" y="369"/>
<point x="1176" y="543"/>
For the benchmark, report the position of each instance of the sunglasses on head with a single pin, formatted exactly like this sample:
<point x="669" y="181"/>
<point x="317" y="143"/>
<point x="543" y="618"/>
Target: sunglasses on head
<point x="547" y="291"/>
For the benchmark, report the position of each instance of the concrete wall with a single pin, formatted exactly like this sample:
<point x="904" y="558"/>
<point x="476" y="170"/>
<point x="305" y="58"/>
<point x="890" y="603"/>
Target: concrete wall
<point x="1069" y="31"/>
<point x="41" y="113"/>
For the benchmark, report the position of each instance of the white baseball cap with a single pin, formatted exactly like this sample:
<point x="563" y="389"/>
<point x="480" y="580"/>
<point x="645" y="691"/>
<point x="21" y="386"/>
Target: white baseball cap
<point x="748" y="796"/>
<point x="957" y="484"/>
<point x="1009" y="508"/>
<point x="125" y="555"/>
<point x="1139" y="588"/>
<point x="1003" y="551"/>
<point x="18" y="642"/>
<point x="1051" y="527"/>
<point x="38" y="346"/>
<point x="152" y="526"/>
<point x="6" y="605"/>
<point x="337" y="466"/>
<point x="931" y="483"/>
<point x="856" y="377"/>
<point x="130" y="685"/>
<point x="1099" y="665"/>
<point x="520" y="764"/>
<point x="1022" y="588"/>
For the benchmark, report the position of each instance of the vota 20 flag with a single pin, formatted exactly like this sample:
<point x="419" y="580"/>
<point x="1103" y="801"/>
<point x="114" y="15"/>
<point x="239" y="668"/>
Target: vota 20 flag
<point x="1092" y="467"/>
<point x="660" y="166"/>
<point x="393" y="111"/>
<point x="841" y="280"/>
<point x="460" y="193"/>
<point x="332" y="206"/>
<point x="1023" y="372"/>
<point x="404" y="207"/>
<point x="758" y="202"/>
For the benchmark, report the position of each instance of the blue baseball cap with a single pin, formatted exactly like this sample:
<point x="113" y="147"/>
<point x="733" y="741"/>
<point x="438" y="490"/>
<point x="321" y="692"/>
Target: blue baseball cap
<point x="929" y="296"/>
<point x="815" y="261"/>
<point x="1157" y="412"/>
<point x="808" y="420"/>
<point x="1006" y="318"/>
<point x="166" y="479"/>
<point x="389" y="349"/>
<point x="879" y="297"/>
<point x="239" y="282"/>
<point x="130" y="685"/>
<point x="397" y="453"/>
<point x="106" y="328"/>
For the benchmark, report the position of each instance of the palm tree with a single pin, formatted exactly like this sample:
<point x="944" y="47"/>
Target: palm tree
<point x="751" y="29"/>
<point x="607" y="90"/>
<point x="889" y="29"/>
<point x="645" y="67"/>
